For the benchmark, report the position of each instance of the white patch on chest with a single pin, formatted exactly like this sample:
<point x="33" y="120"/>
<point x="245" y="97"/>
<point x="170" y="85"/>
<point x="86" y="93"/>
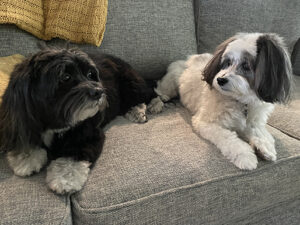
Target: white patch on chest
<point x="47" y="136"/>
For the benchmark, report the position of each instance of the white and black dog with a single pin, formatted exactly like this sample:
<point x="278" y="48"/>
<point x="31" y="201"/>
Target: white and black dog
<point x="231" y="94"/>
<point x="55" y="106"/>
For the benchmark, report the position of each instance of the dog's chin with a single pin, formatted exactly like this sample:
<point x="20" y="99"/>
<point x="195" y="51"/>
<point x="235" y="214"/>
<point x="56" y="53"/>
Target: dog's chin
<point x="89" y="110"/>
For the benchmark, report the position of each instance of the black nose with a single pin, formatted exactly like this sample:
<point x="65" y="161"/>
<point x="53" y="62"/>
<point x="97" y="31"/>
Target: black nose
<point x="95" y="93"/>
<point x="222" y="81"/>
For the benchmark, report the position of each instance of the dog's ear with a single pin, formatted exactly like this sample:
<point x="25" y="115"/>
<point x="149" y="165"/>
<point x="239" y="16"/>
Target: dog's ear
<point x="273" y="70"/>
<point x="16" y="110"/>
<point x="214" y="65"/>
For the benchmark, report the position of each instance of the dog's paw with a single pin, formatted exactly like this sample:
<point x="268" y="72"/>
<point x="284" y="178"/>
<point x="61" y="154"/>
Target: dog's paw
<point x="245" y="161"/>
<point x="64" y="175"/>
<point x="137" y="114"/>
<point x="25" y="164"/>
<point x="155" y="106"/>
<point x="264" y="148"/>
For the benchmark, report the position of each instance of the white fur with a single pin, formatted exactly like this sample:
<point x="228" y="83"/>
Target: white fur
<point x="65" y="175"/>
<point x="137" y="114"/>
<point x="244" y="42"/>
<point x="47" y="136"/>
<point x="24" y="163"/>
<point x="168" y="88"/>
<point x="90" y="110"/>
<point x="232" y="117"/>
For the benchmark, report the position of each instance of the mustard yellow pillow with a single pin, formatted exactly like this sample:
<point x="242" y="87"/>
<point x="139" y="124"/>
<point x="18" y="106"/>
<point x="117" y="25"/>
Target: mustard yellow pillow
<point x="7" y="64"/>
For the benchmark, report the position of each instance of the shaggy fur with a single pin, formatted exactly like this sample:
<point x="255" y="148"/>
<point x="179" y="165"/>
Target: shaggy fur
<point x="231" y="94"/>
<point x="55" y="106"/>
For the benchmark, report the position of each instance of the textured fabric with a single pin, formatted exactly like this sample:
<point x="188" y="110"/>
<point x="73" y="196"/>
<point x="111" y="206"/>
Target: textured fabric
<point x="81" y="21"/>
<point x="7" y="65"/>
<point x="162" y="173"/>
<point x="147" y="34"/>
<point x="287" y="118"/>
<point x="296" y="58"/>
<point x="29" y="201"/>
<point x="218" y="20"/>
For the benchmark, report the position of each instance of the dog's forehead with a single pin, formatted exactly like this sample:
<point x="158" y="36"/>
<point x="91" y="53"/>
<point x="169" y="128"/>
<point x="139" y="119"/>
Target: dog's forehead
<point x="244" y="43"/>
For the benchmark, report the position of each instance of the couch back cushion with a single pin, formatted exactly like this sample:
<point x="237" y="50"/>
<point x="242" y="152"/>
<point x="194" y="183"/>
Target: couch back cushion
<point x="147" y="34"/>
<point x="219" y="20"/>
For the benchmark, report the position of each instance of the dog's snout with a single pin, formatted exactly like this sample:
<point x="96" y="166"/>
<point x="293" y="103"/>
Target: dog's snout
<point x="222" y="81"/>
<point x="95" y="93"/>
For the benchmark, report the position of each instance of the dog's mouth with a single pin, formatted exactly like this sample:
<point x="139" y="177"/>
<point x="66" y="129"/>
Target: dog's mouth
<point x="91" y="108"/>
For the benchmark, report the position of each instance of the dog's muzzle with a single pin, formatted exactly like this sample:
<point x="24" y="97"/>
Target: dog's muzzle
<point x="222" y="81"/>
<point x="95" y="93"/>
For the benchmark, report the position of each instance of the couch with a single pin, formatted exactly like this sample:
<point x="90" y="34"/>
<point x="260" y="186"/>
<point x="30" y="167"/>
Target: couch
<point x="161" y="172"/>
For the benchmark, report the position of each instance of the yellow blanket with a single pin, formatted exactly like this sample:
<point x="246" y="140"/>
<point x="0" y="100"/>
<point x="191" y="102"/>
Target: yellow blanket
<point x="7" y="64"/>
<point x="80" y="21"/>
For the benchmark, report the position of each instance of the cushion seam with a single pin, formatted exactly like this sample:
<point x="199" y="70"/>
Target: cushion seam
<point x="67" y="210"/>
<point x="173" y="190"/>
<point x="286" y="132"/>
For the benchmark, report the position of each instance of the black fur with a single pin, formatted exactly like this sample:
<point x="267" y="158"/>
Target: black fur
<point x="272" y="71"/>
<point x="214" y="65"/>
<point x="46" y="90"/>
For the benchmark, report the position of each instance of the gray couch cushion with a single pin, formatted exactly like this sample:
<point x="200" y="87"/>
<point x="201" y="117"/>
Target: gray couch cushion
<point x="28" y="200"/>
<point x="287" y="117"/>
<point x="147" y="34"/>
<point x="162" y="173"/>
<point x="219" y="20"/>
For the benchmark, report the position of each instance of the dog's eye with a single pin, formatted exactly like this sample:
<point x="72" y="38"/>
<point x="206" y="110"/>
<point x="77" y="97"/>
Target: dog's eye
<point x="89" y="75"/>
<point x="65" y="77"/>
<point x="226" y="64"/>
<point x="245" y="66"/>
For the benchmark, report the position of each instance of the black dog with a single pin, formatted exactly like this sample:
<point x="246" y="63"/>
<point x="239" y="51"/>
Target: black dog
<point x="55" y="106"/>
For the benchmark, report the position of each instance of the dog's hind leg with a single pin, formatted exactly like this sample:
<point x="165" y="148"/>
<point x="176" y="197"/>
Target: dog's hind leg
<point x="167" y="87"/>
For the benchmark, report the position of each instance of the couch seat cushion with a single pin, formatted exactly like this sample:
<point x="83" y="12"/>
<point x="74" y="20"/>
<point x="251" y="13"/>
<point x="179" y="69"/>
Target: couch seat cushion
<point x="287" y="118"/>
<point x="29" y="201"/>
<point x="162" y="173"/>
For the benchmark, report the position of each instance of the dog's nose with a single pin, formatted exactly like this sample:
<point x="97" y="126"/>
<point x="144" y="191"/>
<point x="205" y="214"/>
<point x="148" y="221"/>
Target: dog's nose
<point x="222" y="81"/>
<point x="95" y="93"/>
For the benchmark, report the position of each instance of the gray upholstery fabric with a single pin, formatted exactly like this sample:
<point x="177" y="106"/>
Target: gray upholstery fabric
<point x="16" y="41"/>
<point x="28" y="200"/>
<point x="218" y="20"/>
<point x="287" y="118"/>
<point x="147" y="34"/>
<point x="162" y="173"/>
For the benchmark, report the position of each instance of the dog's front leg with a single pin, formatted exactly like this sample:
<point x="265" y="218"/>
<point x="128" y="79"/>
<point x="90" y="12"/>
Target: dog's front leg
<point x="24" y="162"/>
<point x="74" y="155"/>
<point x="232" y="147"/>
<point x="262" y="141"/>
<point x="66" y="175"/>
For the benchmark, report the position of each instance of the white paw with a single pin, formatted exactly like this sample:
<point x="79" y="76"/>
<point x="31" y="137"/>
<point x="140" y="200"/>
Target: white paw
<point x="246" y="161"/>
<point x="264" y="148"/>
<point x="65" y="175"/>
<point x="137" y="114"/>
<point x="24" y="164"/>
<point x="243" y="156"/>
<point x="155" y="106"/>
<point x="164" y="98"/>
